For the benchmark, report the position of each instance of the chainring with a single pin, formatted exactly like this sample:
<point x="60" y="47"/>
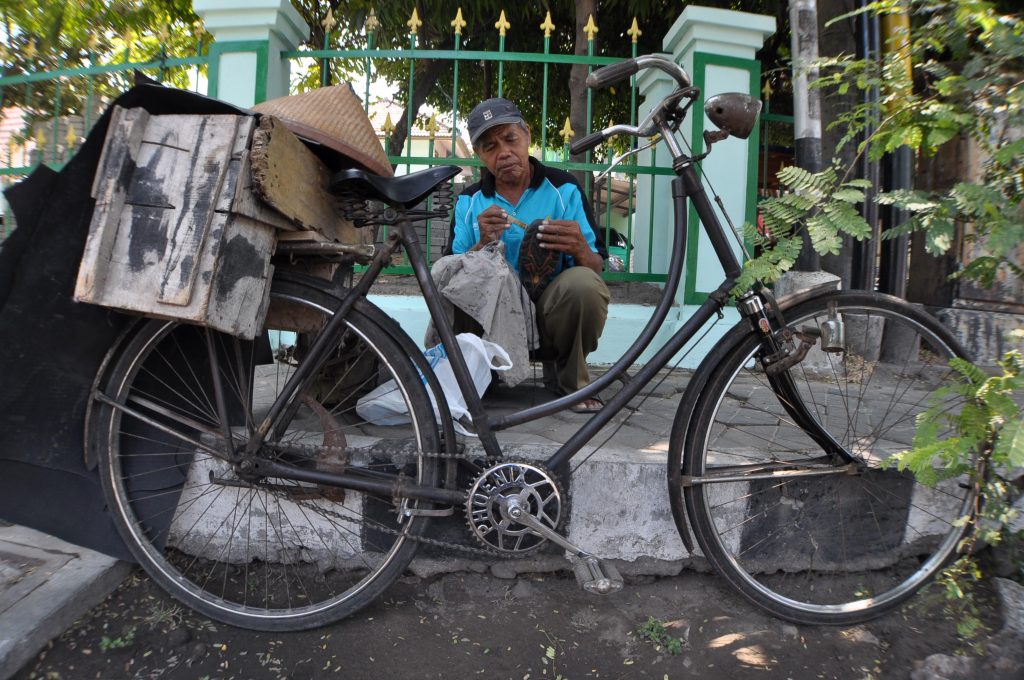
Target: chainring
<point x="486" y="507"/>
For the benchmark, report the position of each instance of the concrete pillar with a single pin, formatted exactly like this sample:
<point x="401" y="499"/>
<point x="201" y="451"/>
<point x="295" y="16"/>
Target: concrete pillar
<point x="652" y="226"/>
<point x="246" y="66"/>
<point x="717" y="47"/>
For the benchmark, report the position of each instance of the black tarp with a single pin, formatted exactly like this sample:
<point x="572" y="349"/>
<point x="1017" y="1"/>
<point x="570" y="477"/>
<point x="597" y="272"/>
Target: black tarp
<point x="51" y="347"/>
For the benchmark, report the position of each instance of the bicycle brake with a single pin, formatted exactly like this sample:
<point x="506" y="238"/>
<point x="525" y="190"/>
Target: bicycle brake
<point x="786" y="358"/>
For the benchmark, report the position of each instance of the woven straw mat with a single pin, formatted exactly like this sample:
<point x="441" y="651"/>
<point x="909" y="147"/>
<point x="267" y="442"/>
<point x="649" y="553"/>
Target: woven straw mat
<point x="334" y="117"/>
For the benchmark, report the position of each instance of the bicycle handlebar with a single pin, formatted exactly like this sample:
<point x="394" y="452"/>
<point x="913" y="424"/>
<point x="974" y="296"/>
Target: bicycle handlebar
<point x="607" y="75"/>
<point x="651" y="124"/>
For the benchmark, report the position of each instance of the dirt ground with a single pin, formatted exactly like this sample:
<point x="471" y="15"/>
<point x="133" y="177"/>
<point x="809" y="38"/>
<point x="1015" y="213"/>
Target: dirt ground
<point x="468" y="625"/>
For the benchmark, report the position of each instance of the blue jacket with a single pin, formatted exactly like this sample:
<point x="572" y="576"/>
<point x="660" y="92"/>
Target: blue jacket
<point x="553" y="194"/>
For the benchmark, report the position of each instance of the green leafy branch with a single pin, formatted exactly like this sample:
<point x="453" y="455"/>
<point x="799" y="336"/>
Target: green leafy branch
<point x="818" y="203"/>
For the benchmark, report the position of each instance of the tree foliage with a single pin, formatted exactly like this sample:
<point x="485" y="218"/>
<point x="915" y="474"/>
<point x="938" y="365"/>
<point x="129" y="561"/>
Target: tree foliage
<point x="967" y="84"/>
<point x="46" y="36"/>
<point x="522" y="82"/>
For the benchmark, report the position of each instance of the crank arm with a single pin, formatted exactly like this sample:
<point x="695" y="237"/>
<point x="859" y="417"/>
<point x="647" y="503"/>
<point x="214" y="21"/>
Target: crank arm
<point x="593" y="574"/>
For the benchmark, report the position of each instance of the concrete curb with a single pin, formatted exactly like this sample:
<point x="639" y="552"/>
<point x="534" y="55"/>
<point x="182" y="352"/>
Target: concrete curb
<point x="47" y="584"/>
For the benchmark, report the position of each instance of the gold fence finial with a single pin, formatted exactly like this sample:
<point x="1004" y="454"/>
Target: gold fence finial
<point x="547" y="26"/>
<point x="566" y="132"/>
<point x="767" y="91"/>
<point x="164" y="35"/>
<point x="458" y="23"/>
<point x="41" y="139"/>
<point x="502" y="24"/>
<point x="414" y="22"/>
<point x="30" y="49"/>
<point x="329" y="21"/>
<point x="388" y="127"/>
<point x="591" y="28"/>
<point x="72" y="136"/>
<point x="634" y="31"/>
<point x="371" y="24"/>
<point x="432" y="126"/>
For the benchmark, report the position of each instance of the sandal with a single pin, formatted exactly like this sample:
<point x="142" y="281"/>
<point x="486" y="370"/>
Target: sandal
<point x="592" y="405"/>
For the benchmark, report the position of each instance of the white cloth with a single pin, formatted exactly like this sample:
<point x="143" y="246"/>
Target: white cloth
<point x="482" y="284"/>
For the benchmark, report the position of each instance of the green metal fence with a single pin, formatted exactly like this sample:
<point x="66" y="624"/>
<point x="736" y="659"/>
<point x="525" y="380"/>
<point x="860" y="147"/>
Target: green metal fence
<point x="47" y="114"/>
<point x="60" y="106"/>
<point x="361" y="66"/>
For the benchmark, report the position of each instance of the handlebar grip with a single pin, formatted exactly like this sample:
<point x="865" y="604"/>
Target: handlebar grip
<point x="606" y="75"/>
<point x="587" y="143"/>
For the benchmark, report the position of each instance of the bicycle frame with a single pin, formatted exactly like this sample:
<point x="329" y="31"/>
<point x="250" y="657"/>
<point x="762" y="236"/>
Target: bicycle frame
<point x="685" y="186"/>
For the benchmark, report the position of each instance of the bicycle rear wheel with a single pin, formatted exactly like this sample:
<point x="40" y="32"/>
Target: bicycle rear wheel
<point x="836" y="546"/>
<point x="268" y="554"/>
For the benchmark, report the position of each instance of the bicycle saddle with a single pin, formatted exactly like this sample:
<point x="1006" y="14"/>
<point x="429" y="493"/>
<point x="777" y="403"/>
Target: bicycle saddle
<point x="403" y="190"/>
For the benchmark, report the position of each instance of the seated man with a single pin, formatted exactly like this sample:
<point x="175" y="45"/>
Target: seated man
<point x="515" y="190"/>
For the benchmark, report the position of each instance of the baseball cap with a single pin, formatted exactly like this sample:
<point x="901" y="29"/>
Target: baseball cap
<point x="489" y="113"/>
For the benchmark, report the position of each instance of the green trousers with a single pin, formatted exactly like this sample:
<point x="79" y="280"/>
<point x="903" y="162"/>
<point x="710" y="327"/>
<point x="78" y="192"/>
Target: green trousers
<point x="570" y="317"/>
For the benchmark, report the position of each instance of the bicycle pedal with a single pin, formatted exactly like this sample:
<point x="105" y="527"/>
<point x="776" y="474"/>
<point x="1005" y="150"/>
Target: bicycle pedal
<point x="596" y="576"/>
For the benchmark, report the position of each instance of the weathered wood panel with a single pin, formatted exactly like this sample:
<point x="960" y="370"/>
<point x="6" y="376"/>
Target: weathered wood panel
<point x="163" y="242"/>
<point x="109" y="189"/>
<point x="290" y="178"/>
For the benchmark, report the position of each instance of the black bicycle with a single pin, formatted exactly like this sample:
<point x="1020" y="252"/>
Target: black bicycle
<point x="243" y="479"/>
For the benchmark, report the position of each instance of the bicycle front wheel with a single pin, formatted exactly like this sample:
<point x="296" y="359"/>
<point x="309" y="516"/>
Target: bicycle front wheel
<point x="805" y="537"/>
<point x="252" y="551"/>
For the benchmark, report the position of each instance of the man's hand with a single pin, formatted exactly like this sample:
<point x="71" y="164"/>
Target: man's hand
<point x="566" y="237"/>
<point x="493" y="222"/>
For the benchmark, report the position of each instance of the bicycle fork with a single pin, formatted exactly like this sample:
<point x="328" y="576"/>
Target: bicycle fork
<point x="778" y="354"/>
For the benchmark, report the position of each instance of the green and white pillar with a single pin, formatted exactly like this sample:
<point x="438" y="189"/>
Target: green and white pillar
<point x="246" y="66"/>
<point x="652" y="227"/>
<point x="717" y="47"/>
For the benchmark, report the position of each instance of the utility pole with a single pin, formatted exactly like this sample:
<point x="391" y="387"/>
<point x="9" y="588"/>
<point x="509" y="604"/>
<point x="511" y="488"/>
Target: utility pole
<point x="803" y="22"/>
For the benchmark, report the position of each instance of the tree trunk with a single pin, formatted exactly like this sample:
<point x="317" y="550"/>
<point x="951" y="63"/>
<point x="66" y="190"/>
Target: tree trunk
<point x="425" y="80"/>
<point x="577" y="83"/>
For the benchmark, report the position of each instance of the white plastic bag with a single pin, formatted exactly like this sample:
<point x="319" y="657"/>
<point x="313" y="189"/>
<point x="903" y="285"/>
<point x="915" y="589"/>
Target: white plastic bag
<point x="385" y="405"/>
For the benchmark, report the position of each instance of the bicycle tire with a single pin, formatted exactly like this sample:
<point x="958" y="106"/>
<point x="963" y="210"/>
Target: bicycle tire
<point x="263" y="554"/>
<point x="837" y="548"/>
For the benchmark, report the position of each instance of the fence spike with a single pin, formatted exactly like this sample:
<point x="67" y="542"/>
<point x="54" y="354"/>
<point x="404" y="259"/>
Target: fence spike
<point x="30" y="49"/>
<point x="547" y="26"/>
<point x="767" y="91"/>
<point x="414" y="22"/>
<point x="458" y="23"/>
<point x="41" y="140"/>
<point x="389" y="126"/>
<point x="590" y="29"/>
<point x="566" y="132"/>
<point x="329" y="21"/>
<point x="432" y="126"/>
<point x="634" y="31"/>
<point x="198" y="29"/>
<point x="164" y="34"/>
<point x="72" y="136"/>
<point x="502" y="24"/>
<point x="371" y="24"/>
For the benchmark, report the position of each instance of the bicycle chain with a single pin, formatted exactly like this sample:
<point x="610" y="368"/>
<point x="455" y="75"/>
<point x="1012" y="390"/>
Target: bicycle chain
<point x="316" y="449"/>
<point x="311" y="451"/>
<point x="394" y="532"/>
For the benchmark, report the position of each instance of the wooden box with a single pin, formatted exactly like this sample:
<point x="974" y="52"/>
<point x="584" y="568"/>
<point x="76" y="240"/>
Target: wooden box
<point x="185" y="221"/>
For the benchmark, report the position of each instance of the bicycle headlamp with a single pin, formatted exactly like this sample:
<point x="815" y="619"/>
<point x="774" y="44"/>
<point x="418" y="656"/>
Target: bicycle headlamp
<point x="733" y="112"/>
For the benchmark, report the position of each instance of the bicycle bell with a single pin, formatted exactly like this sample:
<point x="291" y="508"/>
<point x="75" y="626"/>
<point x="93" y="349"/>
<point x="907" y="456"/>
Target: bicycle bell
<point x="733" y="112"/>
